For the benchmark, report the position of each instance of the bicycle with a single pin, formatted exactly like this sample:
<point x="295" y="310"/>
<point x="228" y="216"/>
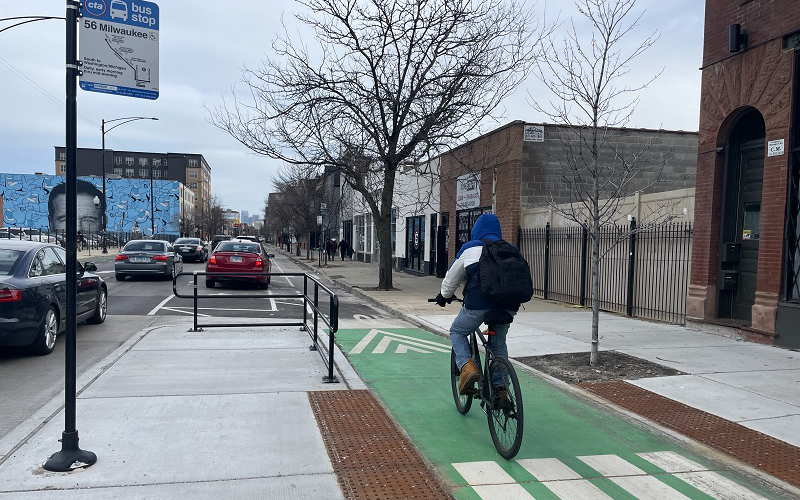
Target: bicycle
<point x="504" y="412"/>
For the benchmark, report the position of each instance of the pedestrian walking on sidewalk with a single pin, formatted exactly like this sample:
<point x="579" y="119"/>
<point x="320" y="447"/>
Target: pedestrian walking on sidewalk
<point x="331" y="247"/>
<point x="344" y="246"/>
<point x="478" y="302"/>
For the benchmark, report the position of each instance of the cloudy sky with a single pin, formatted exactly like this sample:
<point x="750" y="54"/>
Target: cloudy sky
<point x="203" y="47"/>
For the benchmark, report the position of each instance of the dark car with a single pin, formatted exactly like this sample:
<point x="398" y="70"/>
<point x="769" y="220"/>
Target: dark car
<point x="217" y="239"/>
<point x="143" y="257"/>
<point x="191" y="249"/>
<point x="33" y="294"/>
<point x="239" y="255"/>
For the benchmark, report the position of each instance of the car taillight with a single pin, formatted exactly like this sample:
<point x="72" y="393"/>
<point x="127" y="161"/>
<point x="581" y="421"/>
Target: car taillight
<point x="259" y="262"/>
<point x="212" y="259"/>
<point x="121" y="257"/>
<point x="10" y="295"/>
<point x="162" y="258"/>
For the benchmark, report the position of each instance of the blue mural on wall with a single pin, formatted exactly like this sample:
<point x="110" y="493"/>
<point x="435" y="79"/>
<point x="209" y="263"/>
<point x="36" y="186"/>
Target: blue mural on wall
<point x="37" y="201"/>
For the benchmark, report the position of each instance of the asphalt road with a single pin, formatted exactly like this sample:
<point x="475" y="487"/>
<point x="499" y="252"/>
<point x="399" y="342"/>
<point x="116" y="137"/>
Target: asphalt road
<point x="27" y="382"/>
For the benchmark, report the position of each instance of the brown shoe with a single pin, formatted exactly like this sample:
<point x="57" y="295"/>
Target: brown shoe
<point x="469" y="375"/>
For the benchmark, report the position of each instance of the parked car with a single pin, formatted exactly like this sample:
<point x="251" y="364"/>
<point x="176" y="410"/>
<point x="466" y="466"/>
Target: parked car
<point x="33" y="298"/>
<point x="217" y="239"/>
<point x="248" y="238"/>
<point x="143" y="257"/>
<point x="191" y="249"/>
<point x="239" y="255"/>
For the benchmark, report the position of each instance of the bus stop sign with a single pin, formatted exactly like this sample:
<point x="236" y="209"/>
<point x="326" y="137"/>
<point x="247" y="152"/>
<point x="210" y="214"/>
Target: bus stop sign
<point x="119" y="47"/>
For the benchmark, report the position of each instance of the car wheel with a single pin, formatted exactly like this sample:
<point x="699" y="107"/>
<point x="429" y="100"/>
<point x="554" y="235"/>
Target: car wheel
<point x="171" y="275"/>
<point x="46" y="340"/>
<point x="119" y="277"/>
<point x="263" y="286"/>
<point x="269" y="279"/>
<point x="210" y="284"/>
<point x="100" y="309"/>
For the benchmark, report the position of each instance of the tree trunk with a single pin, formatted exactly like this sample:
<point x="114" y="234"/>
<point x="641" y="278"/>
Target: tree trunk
<point x="384" y="228"/>
<point x="594" y="356"/>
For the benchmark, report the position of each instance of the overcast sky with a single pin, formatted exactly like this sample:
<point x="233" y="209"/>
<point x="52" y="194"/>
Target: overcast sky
<point x="203" y="47"/>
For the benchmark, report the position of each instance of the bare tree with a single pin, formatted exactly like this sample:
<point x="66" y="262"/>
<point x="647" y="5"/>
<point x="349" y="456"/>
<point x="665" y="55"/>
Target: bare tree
<point x="394" y="83"/>
<point x="587" y="76"/>
<point x="301" y="190"/>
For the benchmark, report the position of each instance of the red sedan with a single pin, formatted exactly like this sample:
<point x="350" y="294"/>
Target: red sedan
<point x="239" y="255"/>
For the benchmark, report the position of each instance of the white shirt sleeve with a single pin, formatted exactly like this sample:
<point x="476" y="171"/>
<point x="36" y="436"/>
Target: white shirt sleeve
<point x="453" y="278"/>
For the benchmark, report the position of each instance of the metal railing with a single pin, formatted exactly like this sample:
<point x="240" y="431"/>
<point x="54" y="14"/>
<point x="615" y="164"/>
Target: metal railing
<point x="331" y="321"/>
<point x="644" y="271"/>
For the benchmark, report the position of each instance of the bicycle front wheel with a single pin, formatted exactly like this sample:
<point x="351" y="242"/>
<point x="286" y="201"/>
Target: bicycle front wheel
<point x="463" y="403"/>
<point x="505" y="411"/>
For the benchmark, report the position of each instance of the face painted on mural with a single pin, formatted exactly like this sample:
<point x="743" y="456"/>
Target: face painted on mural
<point x="89" y="216"/>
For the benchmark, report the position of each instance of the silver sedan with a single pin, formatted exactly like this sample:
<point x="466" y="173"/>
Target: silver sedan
<point x="147" y="257"/>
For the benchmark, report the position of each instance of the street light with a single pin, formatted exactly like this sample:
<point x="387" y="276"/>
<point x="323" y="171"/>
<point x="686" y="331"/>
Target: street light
<point x="103" y="132"/>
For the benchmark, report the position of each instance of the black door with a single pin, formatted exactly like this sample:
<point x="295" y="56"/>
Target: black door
<point x="415" y="242"/>
<point x="748" y="222"/>
<point x="432" y="252"/>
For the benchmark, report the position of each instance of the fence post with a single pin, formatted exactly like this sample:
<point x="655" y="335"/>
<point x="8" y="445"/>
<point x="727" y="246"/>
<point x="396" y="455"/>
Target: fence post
<point x="195" y="303"/>
<point x="546" y="283"/>
<point x="305" y="303"/>
<point x="334" y="314"/>
<point x="631" y="266"/>
<point x="316" y="316"/>
<point x="584" y="252"/>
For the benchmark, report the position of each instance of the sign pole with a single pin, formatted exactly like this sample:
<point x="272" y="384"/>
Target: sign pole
<point x="71" y="456"/>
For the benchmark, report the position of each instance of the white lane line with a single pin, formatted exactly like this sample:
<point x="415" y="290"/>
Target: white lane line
<point x="709" y="482"/>
<point x="631" y="478"/>
<point x="548" y="469"/>
<point x="488" y="472"/>
<point x="717" y="486"/>
<point x="503" y="492"/>
<point x="219" y="309"/>
<point x="672" y="462"/>
<point x="580" y="489"/>
<point x="160" y="305"/>
<point x="287" y="277"/>
<point x="190" y="313"/>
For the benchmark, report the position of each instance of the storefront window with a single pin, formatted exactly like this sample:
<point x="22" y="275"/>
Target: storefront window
<point x="360" y="235"/>
<point x="368" y="231"/>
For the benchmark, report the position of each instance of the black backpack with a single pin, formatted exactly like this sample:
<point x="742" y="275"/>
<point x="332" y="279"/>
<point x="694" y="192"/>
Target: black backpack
<point x="504" y="274"/>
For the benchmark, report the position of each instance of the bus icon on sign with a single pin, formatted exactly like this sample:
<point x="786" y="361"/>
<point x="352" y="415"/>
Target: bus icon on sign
<point x="119" y="9"/>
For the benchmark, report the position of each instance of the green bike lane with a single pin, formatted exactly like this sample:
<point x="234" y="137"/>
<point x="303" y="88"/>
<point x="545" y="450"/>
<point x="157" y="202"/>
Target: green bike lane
<point x="571" y="449"/>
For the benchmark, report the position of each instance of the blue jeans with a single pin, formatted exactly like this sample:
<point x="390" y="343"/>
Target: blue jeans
<point x="467" y="321"/>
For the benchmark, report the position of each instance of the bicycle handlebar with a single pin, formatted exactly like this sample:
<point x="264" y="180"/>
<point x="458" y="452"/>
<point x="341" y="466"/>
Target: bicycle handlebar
<point x="451" y="299"/>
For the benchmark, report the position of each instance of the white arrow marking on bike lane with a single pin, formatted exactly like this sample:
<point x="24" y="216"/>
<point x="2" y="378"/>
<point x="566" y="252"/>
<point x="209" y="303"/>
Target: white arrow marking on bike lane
<point x="406" y="344"/>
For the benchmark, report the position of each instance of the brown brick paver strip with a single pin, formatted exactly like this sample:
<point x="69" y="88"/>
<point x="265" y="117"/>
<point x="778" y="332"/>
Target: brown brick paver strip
<point x="372" y="458"/>
<point x="758" y="450"/>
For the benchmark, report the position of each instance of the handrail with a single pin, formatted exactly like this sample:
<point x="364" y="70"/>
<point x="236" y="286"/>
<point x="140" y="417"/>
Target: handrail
<point x="332" y="321"/>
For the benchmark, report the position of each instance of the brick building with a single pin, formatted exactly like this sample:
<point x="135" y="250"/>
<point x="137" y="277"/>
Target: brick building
<point x="745" y="263"/>
<point x="516" y="167"/>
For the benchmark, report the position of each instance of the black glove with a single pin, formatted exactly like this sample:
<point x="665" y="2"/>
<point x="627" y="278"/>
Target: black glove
<point x="441" y="301"/>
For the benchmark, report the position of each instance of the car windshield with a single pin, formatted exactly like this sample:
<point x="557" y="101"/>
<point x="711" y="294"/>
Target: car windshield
<point x="8" y="260"/>
<point x="187" y="241"/>
<point x="238" y="246"/>
<point x="144" y="246"/>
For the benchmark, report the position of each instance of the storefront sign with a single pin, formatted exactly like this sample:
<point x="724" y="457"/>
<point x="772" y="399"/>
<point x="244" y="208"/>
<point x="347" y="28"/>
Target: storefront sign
<point x="775" y="148"/>
<point x="534" y="133"/>
<point x="468" y="191"/>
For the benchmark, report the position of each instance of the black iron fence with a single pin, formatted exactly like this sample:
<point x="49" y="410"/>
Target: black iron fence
<point x="311" y="306"/>
<point x="643" y="272"/>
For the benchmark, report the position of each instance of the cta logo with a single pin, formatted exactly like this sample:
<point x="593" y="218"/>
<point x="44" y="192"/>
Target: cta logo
<point x="95" y="7"/>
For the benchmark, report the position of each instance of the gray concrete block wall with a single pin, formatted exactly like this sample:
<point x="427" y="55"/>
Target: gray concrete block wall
<point x="543" y="175"/>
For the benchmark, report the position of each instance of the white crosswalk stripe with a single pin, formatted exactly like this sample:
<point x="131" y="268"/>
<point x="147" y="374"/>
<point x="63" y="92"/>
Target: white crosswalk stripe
<point x="709" y="482"/>
<point x="488" y="472"/>
<point x="503" y="492"/>
<point x="548" y="469"/>
<point x="631" y="478"/>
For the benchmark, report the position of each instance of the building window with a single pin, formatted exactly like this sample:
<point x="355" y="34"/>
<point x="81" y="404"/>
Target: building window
<point x="193" y="174"/>
<point x="156" y="174"/>
<point x="358" y="222"/>
<point x="166" y="162"/>
<point x="192" y="162"/>
<point x="118" y="171"/>
<point x="129" y="172"/>
<point x="143" y="172"/>
<point x="129" y="161"/>
<point x="62" y="168"/>
<point x="142" y="162"/>
<point x="192" y="185"/>
<point x="156" y="162"/>
<point x="117" y="160"/>
<point x="195" y="198"/>
<point x="62" y="156"/>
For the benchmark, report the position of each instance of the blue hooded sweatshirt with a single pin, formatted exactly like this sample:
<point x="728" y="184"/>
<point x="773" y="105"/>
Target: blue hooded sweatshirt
<point x="487" y="227"/>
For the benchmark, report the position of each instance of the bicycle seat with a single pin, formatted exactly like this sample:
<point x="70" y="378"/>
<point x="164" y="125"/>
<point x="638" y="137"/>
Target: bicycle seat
<point x="498" y="317"/>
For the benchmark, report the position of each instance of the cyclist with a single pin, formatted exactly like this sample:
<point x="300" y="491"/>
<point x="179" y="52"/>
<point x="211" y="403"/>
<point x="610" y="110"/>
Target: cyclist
<point x="476" y="306"/>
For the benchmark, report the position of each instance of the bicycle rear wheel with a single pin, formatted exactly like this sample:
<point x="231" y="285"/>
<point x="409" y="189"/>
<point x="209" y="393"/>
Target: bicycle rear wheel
<point x="505" y="414"/>
<point x="463" y="403"/>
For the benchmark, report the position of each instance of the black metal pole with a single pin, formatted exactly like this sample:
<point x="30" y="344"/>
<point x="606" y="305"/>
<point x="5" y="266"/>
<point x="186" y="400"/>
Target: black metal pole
<point x="105" y="207"/>
<point x="546" y="261"/>
<point x="584" y="252"/>
<point x="71" y="456"/>
<point x="195" y="302"/>
<point x="631" y="267"/>
<point x="152" y="207"/>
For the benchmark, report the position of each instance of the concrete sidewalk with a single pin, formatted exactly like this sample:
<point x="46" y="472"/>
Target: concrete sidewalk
<point x="751" y="384"/>
<point x="222" y="413"/>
